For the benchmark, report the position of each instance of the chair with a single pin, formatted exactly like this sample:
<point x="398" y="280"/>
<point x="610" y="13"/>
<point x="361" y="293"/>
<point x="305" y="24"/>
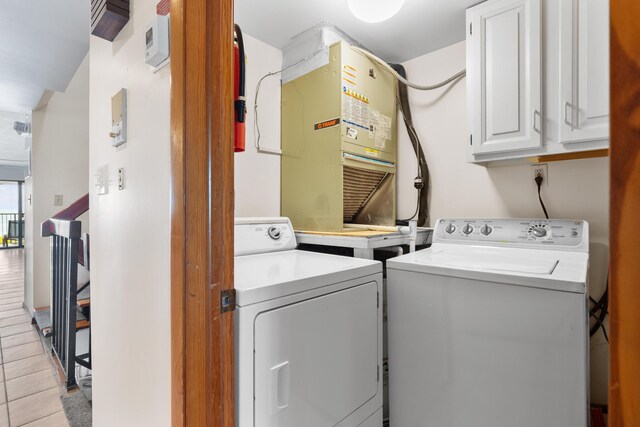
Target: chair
<point x="15" y="232"/>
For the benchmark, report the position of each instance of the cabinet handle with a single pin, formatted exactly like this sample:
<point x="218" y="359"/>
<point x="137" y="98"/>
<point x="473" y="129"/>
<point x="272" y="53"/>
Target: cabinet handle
<point x="536" y="114"/>
<point x="566" y="120"/>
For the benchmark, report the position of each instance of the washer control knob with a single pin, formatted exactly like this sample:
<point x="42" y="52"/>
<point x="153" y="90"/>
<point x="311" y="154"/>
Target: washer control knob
<point x="450" y="228"/>
<point x="486" y="229"/>
<point x="274" y="233"/>
<point x="467" y="229"/>
<point x="539" y="231"/>
<point x="574" y="233"/>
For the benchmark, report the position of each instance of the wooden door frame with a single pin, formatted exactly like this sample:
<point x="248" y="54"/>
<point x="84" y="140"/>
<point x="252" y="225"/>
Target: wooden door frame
<point x="202" y="362"/>
<point x="624" y="380"/>
<point x="202" y="214"/>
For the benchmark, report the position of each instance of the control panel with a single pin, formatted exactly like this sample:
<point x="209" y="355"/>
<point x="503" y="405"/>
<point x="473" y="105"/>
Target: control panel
<point x="263" y="235"/>
<point x="500" y="232"/>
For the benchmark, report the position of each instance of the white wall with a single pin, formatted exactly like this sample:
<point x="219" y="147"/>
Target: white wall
<point x="130" y="229"/>
<point x="60" y="158"/>
<point x="130" y="234"/>
<point x="257" y="175"/>
<point x="576" y="189"/>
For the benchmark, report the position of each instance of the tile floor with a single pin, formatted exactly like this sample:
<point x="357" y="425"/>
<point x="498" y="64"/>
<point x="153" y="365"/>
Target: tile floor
<point x="29" y="388"/>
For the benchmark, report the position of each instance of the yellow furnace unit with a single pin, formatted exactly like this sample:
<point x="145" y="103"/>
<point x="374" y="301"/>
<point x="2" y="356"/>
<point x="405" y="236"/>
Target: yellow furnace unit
<point x="339" y="144"/>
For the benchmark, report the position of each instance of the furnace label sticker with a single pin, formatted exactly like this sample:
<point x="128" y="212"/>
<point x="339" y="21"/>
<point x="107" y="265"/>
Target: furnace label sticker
<point x="355" y="110"/>
<point x="326" y="124"/>
<point x="373" y="153"/>
<point x="379" y="128"/>
<point x="349" y="76"/>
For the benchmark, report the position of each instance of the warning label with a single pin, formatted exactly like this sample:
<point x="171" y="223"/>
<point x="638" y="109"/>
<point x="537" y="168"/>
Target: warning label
<point x="349" y="76"/>
<point x="355" y="111"/>
<point x="379" y="128"/>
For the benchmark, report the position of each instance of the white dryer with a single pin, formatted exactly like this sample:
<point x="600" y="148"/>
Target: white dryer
<point x="308" y="332"/>
<point x="488" y="327"/>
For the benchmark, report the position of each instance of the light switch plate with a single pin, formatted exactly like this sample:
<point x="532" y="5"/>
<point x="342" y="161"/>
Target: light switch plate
<point x="58" y="200"/>
<point x="102" y="180"/>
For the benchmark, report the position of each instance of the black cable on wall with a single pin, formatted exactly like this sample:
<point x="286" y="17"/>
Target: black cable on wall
<point x="421" y="182"/>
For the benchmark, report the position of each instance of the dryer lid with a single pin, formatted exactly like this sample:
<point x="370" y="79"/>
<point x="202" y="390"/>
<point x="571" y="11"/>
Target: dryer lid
<point x="262" y="277"/>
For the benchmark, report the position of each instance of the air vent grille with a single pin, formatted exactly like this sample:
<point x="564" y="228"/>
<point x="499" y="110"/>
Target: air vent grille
<point x="358" y="186"/>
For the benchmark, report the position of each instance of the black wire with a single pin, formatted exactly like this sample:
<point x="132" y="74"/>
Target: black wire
<point x="417" y="208"/>
<point x="422" y="204"/>
<point x="600" y="306"/>
<point x="539" y="182"/>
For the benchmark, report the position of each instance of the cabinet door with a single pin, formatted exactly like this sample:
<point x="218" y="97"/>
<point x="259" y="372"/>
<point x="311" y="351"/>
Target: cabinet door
<point x="504" y="75"/>
<point x="584" y="69"/>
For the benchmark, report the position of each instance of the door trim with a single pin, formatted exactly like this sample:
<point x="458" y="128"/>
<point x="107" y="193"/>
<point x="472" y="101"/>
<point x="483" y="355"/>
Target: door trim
<point x="201" y="212"/>
<point x="624" y="379"/>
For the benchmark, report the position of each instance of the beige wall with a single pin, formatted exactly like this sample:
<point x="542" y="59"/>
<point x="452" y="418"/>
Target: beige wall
<point x="130" y="228"/>
<point x="576" y="189"/>
<point x="130" y="234"/>
<point x="257" y="175"/>
<point x="60" y="159"/>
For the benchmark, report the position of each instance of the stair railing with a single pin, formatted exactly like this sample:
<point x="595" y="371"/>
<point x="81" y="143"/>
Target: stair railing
<point x="67" y="250"/>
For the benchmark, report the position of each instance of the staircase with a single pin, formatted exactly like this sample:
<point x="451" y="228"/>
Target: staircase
<point x="70" y="309"/>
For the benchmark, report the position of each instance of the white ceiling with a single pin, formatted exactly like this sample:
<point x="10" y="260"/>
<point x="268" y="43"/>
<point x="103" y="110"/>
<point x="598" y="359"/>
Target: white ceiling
<point x="420" y="27"/>
<point x="42" y="43"/>
<point x="12" y="145"/>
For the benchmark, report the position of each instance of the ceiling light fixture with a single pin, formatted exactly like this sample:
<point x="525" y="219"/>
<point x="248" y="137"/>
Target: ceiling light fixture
<point x="373" y="11"/>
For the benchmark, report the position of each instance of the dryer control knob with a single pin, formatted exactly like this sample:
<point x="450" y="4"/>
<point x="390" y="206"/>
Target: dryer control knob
<point x="539" y="231"/>
<point x="486" y="229"/>
<point x="450" y="228"/>
<point x="467" y="229"/>
<point x="274" y="233"/>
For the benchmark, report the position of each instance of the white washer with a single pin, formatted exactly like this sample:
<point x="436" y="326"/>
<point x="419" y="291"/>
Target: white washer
<point x="308" y="332"/>
<point x="488" y="327"/>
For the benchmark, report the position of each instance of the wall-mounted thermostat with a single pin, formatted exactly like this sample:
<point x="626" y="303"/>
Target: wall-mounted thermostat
<point x="157" y="41"/>
<point x="118" y="132"/>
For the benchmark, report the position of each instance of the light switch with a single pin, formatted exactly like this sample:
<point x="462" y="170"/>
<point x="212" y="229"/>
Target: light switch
<point x="57" y="200"/>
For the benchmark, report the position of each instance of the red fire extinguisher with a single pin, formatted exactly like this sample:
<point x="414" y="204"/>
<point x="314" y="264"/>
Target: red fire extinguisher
<point x="239" y="94"/>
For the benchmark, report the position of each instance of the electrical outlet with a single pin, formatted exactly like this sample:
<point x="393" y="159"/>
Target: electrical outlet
<point x="541" y="170"/>
<point x="57" y="200"/>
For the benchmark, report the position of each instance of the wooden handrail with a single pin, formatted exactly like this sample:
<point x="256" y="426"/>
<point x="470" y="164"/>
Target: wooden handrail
<point x="75" y="209"/>
<point x="60" y="227"/>
<point x="70" y="213"/>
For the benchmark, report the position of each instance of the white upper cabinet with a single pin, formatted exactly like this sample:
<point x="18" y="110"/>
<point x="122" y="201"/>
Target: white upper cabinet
<point x="504" y="76"/>
<point x="537" y="78"/>
<point x="584" y="70"/>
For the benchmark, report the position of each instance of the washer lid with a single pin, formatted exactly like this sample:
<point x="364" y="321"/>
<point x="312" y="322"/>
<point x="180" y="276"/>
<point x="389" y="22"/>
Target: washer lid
<point x="263" y="277"/>
<point x="506" y="263"/>
<point x="565" y="271"/>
